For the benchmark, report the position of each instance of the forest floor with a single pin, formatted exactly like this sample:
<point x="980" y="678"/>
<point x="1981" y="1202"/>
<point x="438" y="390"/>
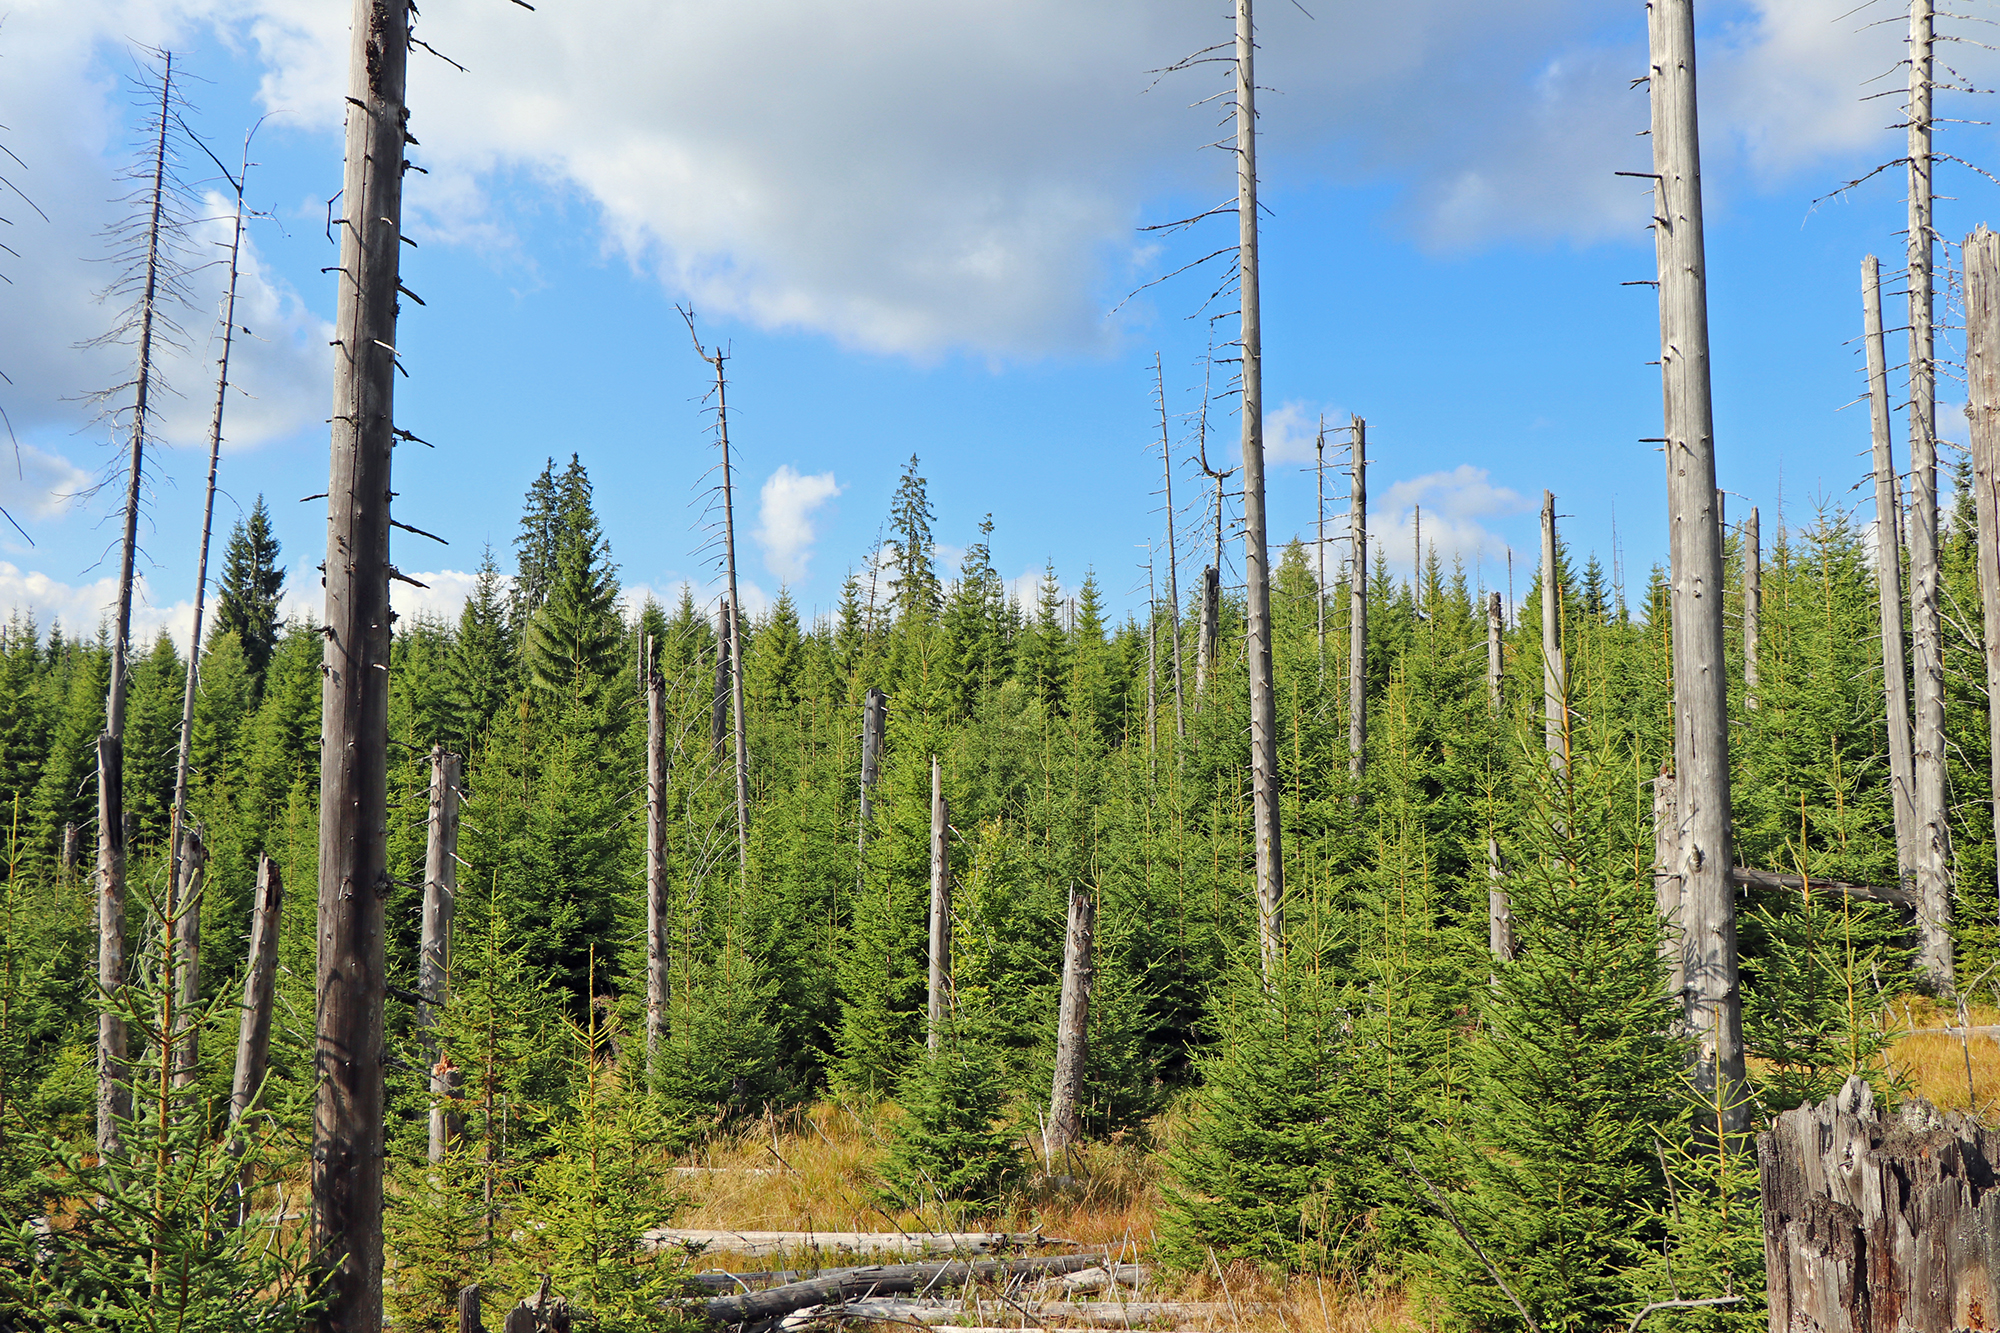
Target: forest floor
<point x="814" y="1169"/>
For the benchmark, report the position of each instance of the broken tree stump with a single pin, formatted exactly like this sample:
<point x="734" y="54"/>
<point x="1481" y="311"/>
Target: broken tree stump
<point x="1879" y="1222"/>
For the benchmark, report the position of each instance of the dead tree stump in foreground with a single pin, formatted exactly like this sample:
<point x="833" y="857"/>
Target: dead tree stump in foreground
<point x="1877" y="1222"/>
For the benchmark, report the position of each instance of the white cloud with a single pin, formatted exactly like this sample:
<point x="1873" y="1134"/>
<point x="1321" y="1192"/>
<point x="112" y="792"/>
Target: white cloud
<point x="785" y="519"/>
<point x="1453" y="504"/>
<point x="1291" y="432"/>
<point x="35" y="484"/>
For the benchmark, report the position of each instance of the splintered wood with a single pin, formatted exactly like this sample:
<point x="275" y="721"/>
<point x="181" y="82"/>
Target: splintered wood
<point x="1878" y="1223"/>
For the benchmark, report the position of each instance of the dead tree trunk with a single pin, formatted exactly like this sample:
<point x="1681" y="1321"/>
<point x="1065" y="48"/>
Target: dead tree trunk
<point x="1701" y="705"/>
<point x="1265" y="814"/>
<point x="1879" y="1223"/>
<point x="658" y="948"/>
<point x="940" y="917"/>
<point x="1889" y="574"/>
<point x="182" y="760"/>
<point x="1555" y="675"/>
<point x="1173" y="552"/>
<point x="1753" y="606"/>
<point x="1357" y="614"/>
<point x="1072" y="1026"/>
<point x="354" y="729"/>
<point x="1208" y="634"/>
<point x="113" y="1100"/>
<point x="874" y="731"/>
<point x="253" y="1040"/>
<point x="1319" y="547"/>
<point x="1667" y="884"/>
<point x="1933" y="847"/>
<point x="434" y="952"/>
<point x="187" y="955"/>
<point x="1499" y="904"/>
<point x="1982" y="377"/>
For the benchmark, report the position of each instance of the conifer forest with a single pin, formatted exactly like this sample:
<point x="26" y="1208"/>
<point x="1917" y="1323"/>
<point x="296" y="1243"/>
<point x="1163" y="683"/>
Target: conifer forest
<point x="1304" y="947"/>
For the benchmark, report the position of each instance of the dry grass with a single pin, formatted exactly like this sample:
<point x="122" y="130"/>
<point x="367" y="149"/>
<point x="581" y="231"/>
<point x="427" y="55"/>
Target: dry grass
<point x="1953" y="1073"/>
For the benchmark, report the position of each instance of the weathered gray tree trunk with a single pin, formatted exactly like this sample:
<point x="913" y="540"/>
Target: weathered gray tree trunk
<point x="1701" y="705"/>
<point x="1555" y="674"/>
<point x="354" y="728"/>
<point x="1357" y="610"/>
<point x="1265" y="814"/>
<point x="186" y="907"/>
<point x="1667" y="884"/>
<point x="182" y="760"/>
<point x="940" y="914"/>
<point x="1933" y="847"/>
<point x="1753" y="606"/>
<point x="253" y="1039"/>
<point x="1982" y="378"/>
<point x="1319" y="547"/>
<point x="1889" y="574"/>
<point x="1877" y="1222"/>
<point x="1208" y="632"/>
<point x="1065" y="1125"/>
<point x="658" y="951"/>
<point x="1499" y="904"/>
<point x="874" y="731"/>
<point x="434" y="948"/>
<point x="113" y="1100"/>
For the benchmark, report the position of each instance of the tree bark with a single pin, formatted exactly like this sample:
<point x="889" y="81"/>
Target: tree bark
<point x="1265" y="813"/>
<point x="1889" y="575"/>
<point x="1208" y="634"/>
<point x="940" y="915"/>
<point x="1667" y="889"/>
<point x="1982" y="378"/>
<point x="187" y="955"/>
<point x="874" y="732"/>
<point x="434" y="953"/>
<point x="1753" y="606"/>
<point x="658" y="949"/>
<point x="253" y="1039"/>
<point x="1933" y="846"/>
<point x="1072" y="1026"/>
<point x="1701" y="705"/>
<point x="1357" y="615"/>
<point x="757" y="1307"/>
<point x="1555" y="674"/>
<point x="354" y="730"/>
<point x="1879" y="1223"/>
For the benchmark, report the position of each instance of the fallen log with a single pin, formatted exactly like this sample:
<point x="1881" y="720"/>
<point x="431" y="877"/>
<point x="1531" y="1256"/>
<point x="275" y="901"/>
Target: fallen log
<point x="845" y="1286"/>
<point x="757" y="1243"/>
<point x="1894" y="895"/>
<point x="1083" y="1314"/>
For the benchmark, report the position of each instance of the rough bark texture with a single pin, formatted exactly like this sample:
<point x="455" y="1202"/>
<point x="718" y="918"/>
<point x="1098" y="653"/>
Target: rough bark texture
<point x="1701" y="704"/>
<point x="1073" y="1025"/>
<point x="434" y="950"/>
<point x="253" y="1040"/>
<point x="1667" y="884"/>
<point x="1357" y="610"/>
<point x="940" y="915"/>
<point x="186" y="909"/>
<point x="354" y="726"/>
<point x="1982" y="365"/>
<point x="1889" y="574"/>
<point x="1879" y="1223"/>
<point x="657" y="951"/>
<point x="1933" y="845"/>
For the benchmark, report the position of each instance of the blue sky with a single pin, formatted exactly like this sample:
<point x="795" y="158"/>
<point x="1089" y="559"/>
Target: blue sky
<point x="913" y="226"/>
